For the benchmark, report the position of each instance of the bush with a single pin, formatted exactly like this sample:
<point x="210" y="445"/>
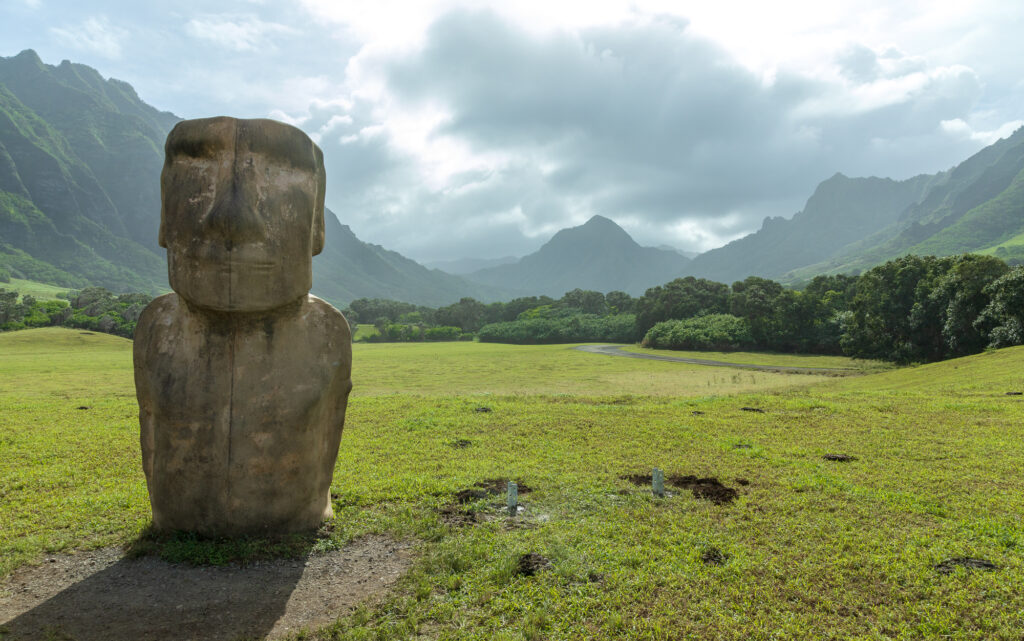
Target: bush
<point x="444" y="333"/>
<point x="711" y="332"/>
<point x="580" y="328"/>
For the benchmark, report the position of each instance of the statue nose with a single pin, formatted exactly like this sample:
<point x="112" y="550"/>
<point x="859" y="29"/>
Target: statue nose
<point x="234" y="217"/>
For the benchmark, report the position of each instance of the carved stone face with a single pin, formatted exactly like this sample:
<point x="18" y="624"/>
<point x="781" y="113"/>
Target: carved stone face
<point x="242" y="212"/>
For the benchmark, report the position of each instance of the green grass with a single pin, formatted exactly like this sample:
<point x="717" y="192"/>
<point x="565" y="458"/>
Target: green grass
<point x="41" y="291"/>
<point x="815" y="549"/>
<point x="364" y="331"/>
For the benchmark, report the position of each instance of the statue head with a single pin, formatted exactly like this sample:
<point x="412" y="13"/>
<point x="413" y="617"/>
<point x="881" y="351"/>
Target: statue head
<point x="242" y="212"/>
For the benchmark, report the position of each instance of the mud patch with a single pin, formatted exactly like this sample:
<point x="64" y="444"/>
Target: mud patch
<point x="966" y="562"/>
<point x="531" y="563"/>
<point x="101" y="595"/>
<point x="82" y="407"/>
<point x="1015" y="393"/>
<point x="839" y="458"/>
<point x="752" y="409"/>
<point x="714" y="556"/>
<point x="483" y="409"/>
<point x="743" y="482"/>
<point x="709" y="489"/>
<point x="488" y="488"/>
<point x="456" y="516"/>
<point x="461" y="443"/>
<point x="637" y="479"/>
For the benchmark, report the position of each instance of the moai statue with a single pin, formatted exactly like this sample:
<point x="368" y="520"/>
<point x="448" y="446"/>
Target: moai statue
<point x="242" y="376"/>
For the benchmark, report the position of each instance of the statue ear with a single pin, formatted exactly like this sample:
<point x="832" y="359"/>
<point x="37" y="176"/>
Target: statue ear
<point x="318" y="207"/>
<point x="161" y="236"/>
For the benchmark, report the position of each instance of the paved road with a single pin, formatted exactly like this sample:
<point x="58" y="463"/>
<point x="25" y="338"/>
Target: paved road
<point x="616" y="350"/>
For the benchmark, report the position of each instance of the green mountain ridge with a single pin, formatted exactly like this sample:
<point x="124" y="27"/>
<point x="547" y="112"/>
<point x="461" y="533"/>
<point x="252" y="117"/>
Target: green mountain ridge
<point x="80" y="163"/>
<point x="598" y="255"/>
<point x="971" y="208"/>
<point x="841" y="211"/>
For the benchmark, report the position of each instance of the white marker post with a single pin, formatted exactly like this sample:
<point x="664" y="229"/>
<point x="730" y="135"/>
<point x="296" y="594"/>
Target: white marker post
<point x="658" y="483"/>
<point x="513" y="498"/>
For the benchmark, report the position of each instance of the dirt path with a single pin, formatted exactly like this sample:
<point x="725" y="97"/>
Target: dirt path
<point x="100" y="595"/>
<point x="616" y="350"/>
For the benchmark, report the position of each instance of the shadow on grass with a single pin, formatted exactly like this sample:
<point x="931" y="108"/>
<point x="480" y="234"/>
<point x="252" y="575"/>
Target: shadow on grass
<point x="165" y="586"/>
<point x="194" y="549"/>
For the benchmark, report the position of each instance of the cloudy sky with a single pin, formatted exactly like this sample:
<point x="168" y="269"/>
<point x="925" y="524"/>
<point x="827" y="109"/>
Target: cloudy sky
<point x="477" y="129"/>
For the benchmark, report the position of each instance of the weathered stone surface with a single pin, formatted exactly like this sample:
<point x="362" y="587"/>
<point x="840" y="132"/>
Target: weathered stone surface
<point x="242" y="377"/>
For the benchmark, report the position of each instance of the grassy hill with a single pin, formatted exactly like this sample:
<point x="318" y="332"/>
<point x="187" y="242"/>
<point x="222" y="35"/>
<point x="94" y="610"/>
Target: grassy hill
<point x="809" y="548"/>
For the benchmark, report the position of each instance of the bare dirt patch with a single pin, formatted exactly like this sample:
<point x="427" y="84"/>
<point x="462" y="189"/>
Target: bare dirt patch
<point x="709" y="489"/>
<point x="488" y="488"/>
<point x="714" y="556"/>
<point x="102" y="595"/>
<point x="966" y="562"/>
<point x="456" y="516"/>
<point x="531" y="563"/>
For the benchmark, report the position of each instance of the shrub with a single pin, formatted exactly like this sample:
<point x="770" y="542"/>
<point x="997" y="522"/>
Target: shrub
<point x="711" y="332"/>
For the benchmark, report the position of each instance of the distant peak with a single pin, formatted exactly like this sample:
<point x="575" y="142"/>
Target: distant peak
<point x="28" y="56"/>
<point x="597" y="219"/>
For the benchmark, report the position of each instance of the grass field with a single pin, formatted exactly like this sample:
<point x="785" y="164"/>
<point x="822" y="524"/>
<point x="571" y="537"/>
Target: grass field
<point x="41" y="291"/>
<point x="781" y="360"/>
<point x="810" y="548"/>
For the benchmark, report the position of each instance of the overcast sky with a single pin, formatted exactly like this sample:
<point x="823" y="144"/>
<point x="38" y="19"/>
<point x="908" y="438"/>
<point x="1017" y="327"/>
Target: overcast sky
<point x="474" y="129"/>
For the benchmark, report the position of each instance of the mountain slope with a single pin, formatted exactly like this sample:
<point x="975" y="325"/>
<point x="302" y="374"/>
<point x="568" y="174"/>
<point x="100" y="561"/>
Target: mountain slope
<point x="973" y="207"/>
<point x="348" y="269"/>
<point x="598" y="255"/>
<point x="78" y="156"/>
<point x="842" y="210"/>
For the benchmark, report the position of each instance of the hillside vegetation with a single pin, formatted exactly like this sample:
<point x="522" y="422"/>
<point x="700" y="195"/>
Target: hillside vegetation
<point x="808" y="548"/>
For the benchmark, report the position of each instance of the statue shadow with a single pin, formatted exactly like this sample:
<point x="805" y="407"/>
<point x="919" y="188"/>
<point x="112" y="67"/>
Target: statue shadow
<point x="153" y="600"/>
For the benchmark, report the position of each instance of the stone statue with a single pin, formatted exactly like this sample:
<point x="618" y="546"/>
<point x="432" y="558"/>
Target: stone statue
<point x="242" y="377"/>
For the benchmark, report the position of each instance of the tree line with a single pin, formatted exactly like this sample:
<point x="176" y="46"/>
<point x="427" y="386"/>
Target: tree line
<point x="911" y="309"/>
<point x="93" y="308"/>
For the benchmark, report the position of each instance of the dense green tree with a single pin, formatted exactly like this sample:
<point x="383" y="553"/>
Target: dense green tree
<point x="1002" y="320"/>
<point x="620" y="302"/>
<point x="963" y="292"/>
<point x="710" y="332"/>
<point x="587" y="301"/>
<point x="680" y="298"/>
<point x="468" y="314"/>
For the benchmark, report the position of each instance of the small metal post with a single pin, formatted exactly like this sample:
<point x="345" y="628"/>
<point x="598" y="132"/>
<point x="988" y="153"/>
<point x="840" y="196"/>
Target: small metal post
<point x="658" y="483"/>
<point x="513" y="498"/>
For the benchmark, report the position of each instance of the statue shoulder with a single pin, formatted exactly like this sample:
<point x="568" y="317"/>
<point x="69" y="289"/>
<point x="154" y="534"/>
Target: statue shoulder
<point x="160" y="312"/>
<point x="325" y="315"/>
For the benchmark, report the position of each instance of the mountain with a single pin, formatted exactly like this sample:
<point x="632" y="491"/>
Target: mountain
<point x="841" y="211"/>
<point x="851" y="224"/>
<point x="80" y="158"/>
<point x="80" y="162"/>
<point x="598" y="255"/>
<point x="461" y="266"/>
<point x="978" y="206"/>
<point x="348" y="269"/>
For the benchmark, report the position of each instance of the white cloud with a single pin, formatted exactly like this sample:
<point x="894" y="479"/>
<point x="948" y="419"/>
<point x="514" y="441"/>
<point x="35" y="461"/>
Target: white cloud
<point x="95" y="35"/>
<point x="243" y="34"/>
<point x="959" y="128"/>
